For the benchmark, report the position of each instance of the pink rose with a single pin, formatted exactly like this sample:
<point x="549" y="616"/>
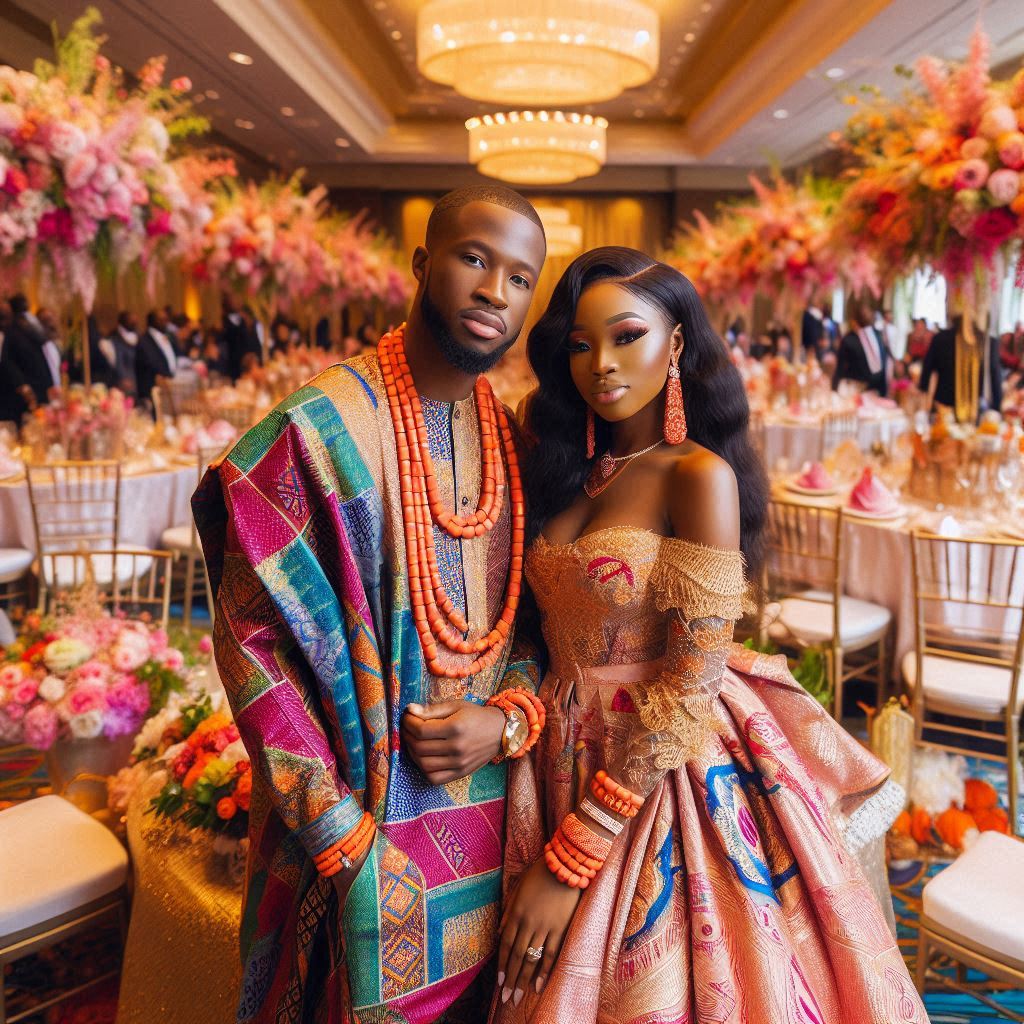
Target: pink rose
<point x="40" y="177"/>
<point x="85" y="698"/>
<point x="997" y="121"/>
<point x="972" y="174"/>
<point x="80" y="169"/>
<point x="15" y="712"/>
<point x="995" y="226"/>
<point x="119" y="202"/>
<point x="205" y="645"/>
<point x="104" y="179"/>
<point x="1011" y="150"/>
<point x="11" y="676"/>
<point x="92" y="671"/>
<point x="25" y="692"/>
<point x="181" y="84"/>
<point x="1003" y="186"/>
<point x="40" y="727"/>
<point x="65" y="140"/>
<point x="974" y="148"/>
<point x="173" y="659"/>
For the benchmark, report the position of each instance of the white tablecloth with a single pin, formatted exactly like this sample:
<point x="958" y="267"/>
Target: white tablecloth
<point x="798" y="443"/>
<point x="150" y="502"/>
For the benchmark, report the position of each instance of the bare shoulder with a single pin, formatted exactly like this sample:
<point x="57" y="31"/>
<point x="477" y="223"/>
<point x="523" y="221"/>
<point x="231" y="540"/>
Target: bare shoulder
<point x="703" y="499"/>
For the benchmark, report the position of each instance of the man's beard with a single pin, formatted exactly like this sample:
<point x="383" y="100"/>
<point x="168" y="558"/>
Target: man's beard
<point x="465" y="360"/>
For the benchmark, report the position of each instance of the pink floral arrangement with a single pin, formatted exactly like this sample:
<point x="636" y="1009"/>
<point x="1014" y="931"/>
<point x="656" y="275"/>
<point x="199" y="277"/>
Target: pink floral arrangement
<point x="81" y="411"/>
<point x="88" y="181"/>
<point x="85" y="675"/>
<point x="938" y="175"/>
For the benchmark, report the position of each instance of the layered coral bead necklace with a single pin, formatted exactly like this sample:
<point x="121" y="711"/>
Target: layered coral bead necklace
<point x="438" y="621"/>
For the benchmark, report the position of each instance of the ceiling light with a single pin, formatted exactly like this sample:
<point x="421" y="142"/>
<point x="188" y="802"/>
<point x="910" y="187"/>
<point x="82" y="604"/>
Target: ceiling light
<point x="487" y="51"/>
<point x="396" y="35"/>
<point x="343" y="143"/>
<point x="212" y="94"/>
<point x="539" y="147"/>
<point x="240" y="58"/>
<point x="638" y="112"/>
<point x="835" y="73"/>
<point x="241" y="122"/>
<point x="564" y="238"/>
<point x="689" y="37"/>
<point x="288" y="111"/>
<point x="780" y="114"/>
<point x="199" y="98"/>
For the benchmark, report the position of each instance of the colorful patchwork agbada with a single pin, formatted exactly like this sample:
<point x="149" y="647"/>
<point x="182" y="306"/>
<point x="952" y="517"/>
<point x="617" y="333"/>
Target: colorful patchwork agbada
<point x="302" y="529"/>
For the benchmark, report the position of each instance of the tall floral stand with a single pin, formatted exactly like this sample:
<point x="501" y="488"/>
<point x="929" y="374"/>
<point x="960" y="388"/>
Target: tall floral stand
<point x="181" y="959"/>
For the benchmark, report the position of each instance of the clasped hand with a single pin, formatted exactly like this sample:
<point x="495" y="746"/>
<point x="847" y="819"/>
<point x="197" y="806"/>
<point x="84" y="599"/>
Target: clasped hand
<point x="452" y="739"/>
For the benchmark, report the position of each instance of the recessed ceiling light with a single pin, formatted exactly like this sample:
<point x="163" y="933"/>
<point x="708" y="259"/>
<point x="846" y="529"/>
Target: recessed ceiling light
<point x="689" y="37"/>
<point x="780" y="114"/>
<point x="673" y="61"/>
<point x="288" y="111"/>
<point x="212" y="94"/>
<point x="835" y="73"/>
<point x="396" y="35"/>
<point x="638" y="112"/>
<point x="199" y="98"/>
<point x="342" y="143"/>
<point x="240" y="58"/>
<point x="241" y="122"/>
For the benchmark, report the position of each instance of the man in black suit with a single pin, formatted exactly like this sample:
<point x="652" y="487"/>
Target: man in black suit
<point x="35" y="356"/>
<point x="16" y="394"/>
<point x="862" y="355"/>
<point x="155" y="360"/>
<point x="940" y="363"/>
<point x="239" y="338"/>
<point x="812" y="332"/>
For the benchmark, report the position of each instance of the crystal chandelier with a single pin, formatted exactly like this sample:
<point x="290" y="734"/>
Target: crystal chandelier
<point x="536" y="52"/>
<point x="537" y="147"/>
<point x="564" y="238"/>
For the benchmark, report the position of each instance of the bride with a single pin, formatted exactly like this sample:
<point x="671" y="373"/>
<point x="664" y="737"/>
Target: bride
<point x="675" y="847"/>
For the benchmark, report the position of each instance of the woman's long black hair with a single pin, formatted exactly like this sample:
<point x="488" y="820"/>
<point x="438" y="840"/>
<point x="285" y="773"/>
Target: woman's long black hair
<point x="717" y="413"/>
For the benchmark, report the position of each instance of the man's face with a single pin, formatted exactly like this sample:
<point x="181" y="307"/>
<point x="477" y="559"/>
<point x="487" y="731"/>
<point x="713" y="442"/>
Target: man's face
<point x="477" y="281"/>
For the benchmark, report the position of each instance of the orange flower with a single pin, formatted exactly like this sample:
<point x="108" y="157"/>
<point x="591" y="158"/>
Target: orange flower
<point x="243" y="790"/>
<point x="226" y="808"/>
<point x="192" y="777"/>
<point x="980" y="795"/>
<point x="901" y="826"/>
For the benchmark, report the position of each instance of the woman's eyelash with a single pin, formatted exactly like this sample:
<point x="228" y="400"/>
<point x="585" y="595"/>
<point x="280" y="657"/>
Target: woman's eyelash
<point x="627" y="337"/>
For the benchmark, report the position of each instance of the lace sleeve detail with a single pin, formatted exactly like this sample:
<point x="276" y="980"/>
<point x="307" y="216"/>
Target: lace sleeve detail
<point x="700" y="581"/>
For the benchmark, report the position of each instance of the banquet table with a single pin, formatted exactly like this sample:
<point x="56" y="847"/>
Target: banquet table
<point x="151" y="501"/>
<point x="798" y="439"/>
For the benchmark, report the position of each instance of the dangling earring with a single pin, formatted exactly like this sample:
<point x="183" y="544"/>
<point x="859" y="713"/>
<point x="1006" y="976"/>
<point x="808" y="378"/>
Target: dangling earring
<point x="675" y="416"/>
<point x="590" y="433"/>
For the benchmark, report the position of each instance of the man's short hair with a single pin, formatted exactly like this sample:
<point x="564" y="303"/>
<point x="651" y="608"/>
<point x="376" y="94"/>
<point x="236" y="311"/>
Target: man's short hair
<point x="455" y="200"/>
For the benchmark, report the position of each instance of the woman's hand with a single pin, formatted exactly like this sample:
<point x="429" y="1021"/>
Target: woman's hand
<point x="538" y="915"/>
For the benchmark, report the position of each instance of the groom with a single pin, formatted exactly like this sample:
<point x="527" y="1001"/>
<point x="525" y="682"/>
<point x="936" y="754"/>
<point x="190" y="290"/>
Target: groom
<point x="317" y="645"/>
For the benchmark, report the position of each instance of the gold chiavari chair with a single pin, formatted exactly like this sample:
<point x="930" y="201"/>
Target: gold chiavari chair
<point x="837" y="427"/>
<point x="144" y="588"/>
<point x="15" y="589"/>
<point x="172" y="398"/>
<point x="803" y="575"/>
<point x="241" y="417"/>
<point x="966" y="665"/>
<point x="757" y="433"/>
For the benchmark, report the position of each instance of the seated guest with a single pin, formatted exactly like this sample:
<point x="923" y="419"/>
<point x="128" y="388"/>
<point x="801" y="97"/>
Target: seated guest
<point x="280" y="337"/>
<point x="214" y="354"/>
<point x="102" y="358"/>
<point x="156" y="360"/>
<point x="784" y="344"/>
<point x="812" y="331"/>
<point x="863" y="356"/>
<point x="918" y="340"/>
<point x="256" y="341"/>
<point x="938" y="373"/>
<point x="36" y="356"/>
<point x="16" y="394"/>
<point x="125" y="340"/>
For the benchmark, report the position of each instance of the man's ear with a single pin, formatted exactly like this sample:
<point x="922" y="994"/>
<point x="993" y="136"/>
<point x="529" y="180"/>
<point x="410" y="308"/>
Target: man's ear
<point x="420" y="259"/>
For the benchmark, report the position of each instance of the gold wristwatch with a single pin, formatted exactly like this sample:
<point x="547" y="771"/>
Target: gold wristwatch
<point x="515" y="733"/>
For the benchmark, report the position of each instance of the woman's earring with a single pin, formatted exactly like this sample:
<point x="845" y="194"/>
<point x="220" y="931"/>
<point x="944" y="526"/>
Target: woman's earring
<point x="675" y="415"/>
<point x="590" y="433"/>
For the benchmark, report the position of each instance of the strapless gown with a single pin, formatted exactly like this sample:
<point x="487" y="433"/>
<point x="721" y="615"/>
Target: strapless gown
<point x="734" y="895"/>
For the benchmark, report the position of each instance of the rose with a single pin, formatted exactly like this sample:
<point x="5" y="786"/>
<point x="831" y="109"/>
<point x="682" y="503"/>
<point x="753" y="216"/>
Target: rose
<point x="93" y="671"/>
<point x="65" y="654"/>
<point x="11" y="675"/>
<point x="25" y="692"/>
<point x="995" y="226"/>
<point x="85" y="698"/>
<point x="104" y="178"/>
<point x="65" y="140"/>
<point x="79" y="169"/>
<point x="52" y="688"/>
<point x="173" y="659"/>
<point x="130" y="651"/>
<point x="1004" y="186"/>
<point x="972" y="174"/>
<point x="119" y="202"/>
<point x="1011" y="150"/>
<point x="997" y="121"/>
<point x="86" y="726"/>
<point x="40" y="727"/>
<point x="205" y="645"/>
<point x="181" y="84"/>
<point x="159" y="224"/>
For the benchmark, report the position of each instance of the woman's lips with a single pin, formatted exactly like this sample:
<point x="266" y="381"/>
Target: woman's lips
<point x="607" y="397"/>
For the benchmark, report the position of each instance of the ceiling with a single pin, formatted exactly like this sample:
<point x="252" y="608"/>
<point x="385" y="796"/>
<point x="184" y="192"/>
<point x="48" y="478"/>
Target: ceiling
<point x="333" y="84"/>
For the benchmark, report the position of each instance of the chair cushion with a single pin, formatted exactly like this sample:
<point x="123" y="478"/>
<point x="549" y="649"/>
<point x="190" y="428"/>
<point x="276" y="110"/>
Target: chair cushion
<point x="808" y="616"/>
<point x="980" y="896"/>
<point x="103" y="567"/>
<point x="13" y="563"/>
<point x="958" y="687"/>
<point x="53" y="858"/>
<point x="177" y="538"/>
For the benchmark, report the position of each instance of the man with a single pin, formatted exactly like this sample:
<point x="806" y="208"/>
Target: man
<point x="237" y="338"/>
<point x="938" y="372"/>
<point x="35" y="356"/>
<point x="125" y="341"/>
<point x="321" y="650"/>
<point x="155" y="361"/>
<point x="812" y="332"/>
<point x="863" y="356"/>
<point x="16" y="394"/>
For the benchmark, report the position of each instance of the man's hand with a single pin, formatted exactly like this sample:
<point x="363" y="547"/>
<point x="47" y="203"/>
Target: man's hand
<point x="452" y="739"/>
<point x="29" y="397"/>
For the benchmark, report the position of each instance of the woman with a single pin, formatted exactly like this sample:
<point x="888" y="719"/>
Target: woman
<point x="718" y="887"/>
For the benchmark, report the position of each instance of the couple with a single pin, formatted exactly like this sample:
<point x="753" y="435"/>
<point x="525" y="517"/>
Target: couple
<point x="652" y="833"/>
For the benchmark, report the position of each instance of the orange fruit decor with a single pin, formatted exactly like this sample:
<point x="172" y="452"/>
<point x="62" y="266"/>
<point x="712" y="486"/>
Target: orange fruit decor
<point x="979" y="795"/>
<point x="438" y="621"/>
<point x="952" y="825"/>
<point x="994" y="819"/>
<point x="901" y="826"/>
<point x="921" y="826"/>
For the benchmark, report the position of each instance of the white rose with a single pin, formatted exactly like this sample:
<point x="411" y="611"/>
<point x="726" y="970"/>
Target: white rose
<point x="52" y="688"/>
<point x="87" y="725"/>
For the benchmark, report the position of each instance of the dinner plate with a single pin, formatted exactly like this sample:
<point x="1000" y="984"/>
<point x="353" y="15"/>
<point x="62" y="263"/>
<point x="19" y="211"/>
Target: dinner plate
<point x="896" y="513"/>
<point x="811" y="492"/>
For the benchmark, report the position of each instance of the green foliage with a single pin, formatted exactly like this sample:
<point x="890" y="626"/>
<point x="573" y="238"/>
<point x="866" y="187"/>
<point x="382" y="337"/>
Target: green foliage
<point x="809" y="670"/>
<point x="193" y="714"/>
<point x="76" y="52"/>
<point x="161" y="681"/>
<point x="193" y="124"/>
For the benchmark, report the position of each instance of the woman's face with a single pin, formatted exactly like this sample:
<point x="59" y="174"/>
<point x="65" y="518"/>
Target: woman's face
<point x="619" y="351"/>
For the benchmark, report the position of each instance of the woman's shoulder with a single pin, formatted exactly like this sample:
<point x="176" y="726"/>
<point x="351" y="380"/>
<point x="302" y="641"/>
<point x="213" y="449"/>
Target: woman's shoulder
<point x="703" y="499"/>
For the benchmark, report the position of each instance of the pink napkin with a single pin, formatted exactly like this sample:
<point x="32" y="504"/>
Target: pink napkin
<point x="871" y="495"/>
<point x="815" y="478"/>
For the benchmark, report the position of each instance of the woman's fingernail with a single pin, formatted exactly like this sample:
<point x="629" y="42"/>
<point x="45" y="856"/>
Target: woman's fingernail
<point x="505" y="993"/>
<point x="539" y="983"/>
<point x="518" y="997"/>
<point x="501" y="977"/>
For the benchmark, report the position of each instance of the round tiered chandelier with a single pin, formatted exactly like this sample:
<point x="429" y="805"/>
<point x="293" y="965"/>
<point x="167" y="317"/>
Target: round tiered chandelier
<point x="537" y="147"/>
<point x="536" y="52"/>
<point x="564" y="237"/>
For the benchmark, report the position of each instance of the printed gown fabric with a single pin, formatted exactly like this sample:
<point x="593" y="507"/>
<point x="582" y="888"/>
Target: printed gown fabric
<point x="315" y="642"/>
<point x="731" y="898"/>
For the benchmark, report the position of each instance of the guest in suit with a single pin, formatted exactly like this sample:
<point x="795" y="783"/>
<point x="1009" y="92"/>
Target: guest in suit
<point x="862" y="356"/>
<point x="255" y="340"/>
<point x="940" y="364"/>
<point x="125" y="341"/>
<point x="36" y="356"/>
<point x="16" y="394"/>
<point x="241" y="342"/>
<point x="102" y="358"/>
<point x="156" y="360"/>
<point x="812" y="332"/>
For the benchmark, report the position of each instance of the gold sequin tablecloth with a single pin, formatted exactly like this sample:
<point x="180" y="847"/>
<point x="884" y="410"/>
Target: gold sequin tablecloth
<point x="181" y="963"/>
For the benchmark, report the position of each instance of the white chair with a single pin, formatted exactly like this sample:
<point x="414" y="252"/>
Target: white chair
<point x="972" y="912"/>
<point x="969" y="645"/>
<point x="61" y="872"/>
<point x="802" y="574"/>
<point x="14" y="566"/>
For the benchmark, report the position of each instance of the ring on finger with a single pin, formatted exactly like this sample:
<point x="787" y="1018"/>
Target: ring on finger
<point x="534" y="953"/>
